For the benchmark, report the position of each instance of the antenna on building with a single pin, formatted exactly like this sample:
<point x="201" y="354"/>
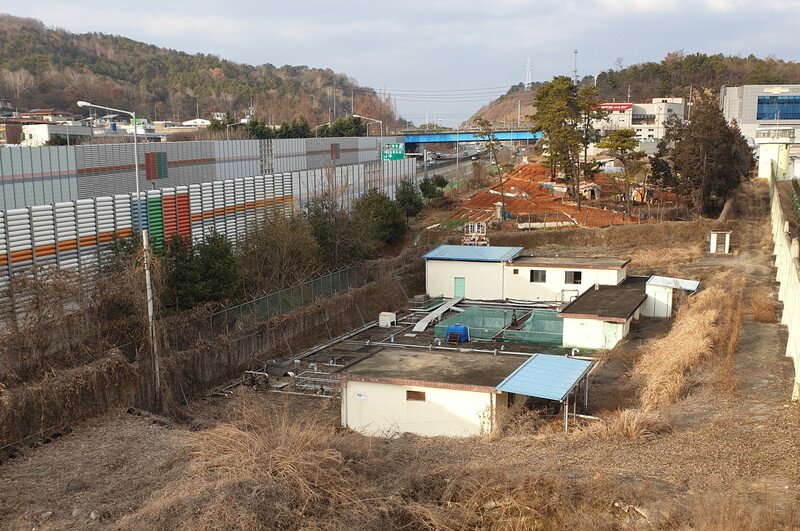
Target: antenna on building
<point x="629" y="92"/>
<point x="528" y="70"/>
<point x="575" y="68"/>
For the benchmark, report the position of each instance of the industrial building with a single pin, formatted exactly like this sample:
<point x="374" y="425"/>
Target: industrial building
<point x="582" y="302"/>
<point x="755" y="106"/>
<point x="647" y="119"/>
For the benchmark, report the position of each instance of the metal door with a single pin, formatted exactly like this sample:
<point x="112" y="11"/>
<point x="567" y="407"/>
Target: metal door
<point x="459" y="287"/>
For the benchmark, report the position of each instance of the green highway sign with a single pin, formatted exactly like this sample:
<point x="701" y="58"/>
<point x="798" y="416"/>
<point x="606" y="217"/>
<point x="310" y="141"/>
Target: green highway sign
<point x="394" y="151"/>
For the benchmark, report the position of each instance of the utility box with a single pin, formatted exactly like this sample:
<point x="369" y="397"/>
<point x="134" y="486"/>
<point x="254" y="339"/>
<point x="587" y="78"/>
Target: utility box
<point x="720" y="242"/>
<point x="387" y="319"/>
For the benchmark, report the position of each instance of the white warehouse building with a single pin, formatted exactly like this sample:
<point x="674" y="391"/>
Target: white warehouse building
<point x="499" y="273"/>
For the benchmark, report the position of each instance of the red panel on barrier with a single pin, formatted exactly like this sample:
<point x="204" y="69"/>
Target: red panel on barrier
<point x="170" y="216"/>
<point x="184" y="216"/>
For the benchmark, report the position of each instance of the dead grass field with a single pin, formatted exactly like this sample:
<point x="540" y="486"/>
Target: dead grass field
<point x="694" y="431"/>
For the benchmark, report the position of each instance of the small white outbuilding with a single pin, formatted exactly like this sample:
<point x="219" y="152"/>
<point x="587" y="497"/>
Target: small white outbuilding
<point x="660" y="294"/>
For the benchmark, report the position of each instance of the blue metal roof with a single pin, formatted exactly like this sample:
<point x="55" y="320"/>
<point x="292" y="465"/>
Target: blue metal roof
<point x="545" y="376"/>
<point x="468" y="253"/>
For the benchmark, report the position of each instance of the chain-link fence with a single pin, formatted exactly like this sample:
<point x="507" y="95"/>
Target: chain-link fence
<point x="246" y="314"/>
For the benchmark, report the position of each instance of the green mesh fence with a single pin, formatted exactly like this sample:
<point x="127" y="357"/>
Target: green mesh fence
<point x="483" y="323"/>
<point x="544" y="326"/>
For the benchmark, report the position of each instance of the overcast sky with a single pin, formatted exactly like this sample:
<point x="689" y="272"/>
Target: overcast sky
<point x="449" y="57"/>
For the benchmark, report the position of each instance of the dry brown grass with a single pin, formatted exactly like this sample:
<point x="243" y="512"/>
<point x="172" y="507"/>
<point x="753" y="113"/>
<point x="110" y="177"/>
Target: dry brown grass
<point x="763" y="307"/>
<point x="494" y="498"/>
<point x="649" y="258"/>
<point x="708" y="325"/>
<point x="267" y="470"/>
<point x="630" y="424"/>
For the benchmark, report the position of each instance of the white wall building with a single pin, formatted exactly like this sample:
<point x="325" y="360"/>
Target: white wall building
<point x="602" y="317"/>
<point x="755" y="106"/>
<point x="661" y="292"/>
<point x="647" y="119"/>
<point x="467" y="271"/>
<point x="426" y="392"/>
<point x="561" y="279"/>
<point x="40" y="134"/>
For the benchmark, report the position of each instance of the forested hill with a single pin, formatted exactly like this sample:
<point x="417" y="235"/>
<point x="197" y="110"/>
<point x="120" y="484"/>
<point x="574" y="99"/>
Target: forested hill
<point x="677" y="72"/>
<point x="673" y="76"/>
<point x="42" y="67"/>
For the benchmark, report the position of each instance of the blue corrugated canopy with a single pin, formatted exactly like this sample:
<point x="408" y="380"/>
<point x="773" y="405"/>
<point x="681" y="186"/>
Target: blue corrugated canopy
<point x="467" y="253"/>
<point x="545" y="376"/>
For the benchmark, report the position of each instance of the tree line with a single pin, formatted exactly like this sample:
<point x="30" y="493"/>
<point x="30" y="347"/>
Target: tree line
<point x="281" y="251"/>
<point x="41" y="67"/>
<point x="704" y="159"/>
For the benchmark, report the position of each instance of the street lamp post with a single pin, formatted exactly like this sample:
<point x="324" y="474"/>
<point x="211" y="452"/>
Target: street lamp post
<point x="228" y="128"/>
<point x="151" y="321"/>
<point x="371" y="120"/>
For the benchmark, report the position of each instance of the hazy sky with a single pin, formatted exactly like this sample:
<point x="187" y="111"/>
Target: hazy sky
<point x="450" y="57"/>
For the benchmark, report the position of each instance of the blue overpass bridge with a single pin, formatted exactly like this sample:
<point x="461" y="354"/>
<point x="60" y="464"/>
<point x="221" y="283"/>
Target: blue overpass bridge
<point x="467" y="136"/>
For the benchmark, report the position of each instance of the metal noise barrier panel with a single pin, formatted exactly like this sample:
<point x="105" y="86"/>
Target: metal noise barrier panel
<point x="74" y="235"/>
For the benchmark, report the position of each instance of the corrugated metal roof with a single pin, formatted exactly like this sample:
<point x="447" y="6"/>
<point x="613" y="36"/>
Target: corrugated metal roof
<point x="545" y="376"/>
<point x="675" y="283"/>
<point x="467" y="253"/>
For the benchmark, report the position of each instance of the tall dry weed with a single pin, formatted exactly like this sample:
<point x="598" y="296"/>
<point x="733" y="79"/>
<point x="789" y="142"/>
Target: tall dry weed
<point x="627" y="424"/>
<point x="763" y="307"/>
<point x="706" y="326"/>
<point x="270" y="469"/>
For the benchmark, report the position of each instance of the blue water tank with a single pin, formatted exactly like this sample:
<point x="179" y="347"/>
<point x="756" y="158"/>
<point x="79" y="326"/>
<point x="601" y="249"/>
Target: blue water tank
<point x="112" y="126"/>
<point x="461" y="330"/>
<point x="507" y="215"/>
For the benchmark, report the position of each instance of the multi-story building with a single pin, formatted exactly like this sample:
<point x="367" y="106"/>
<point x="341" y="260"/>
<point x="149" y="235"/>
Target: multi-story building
<point x="755" y="106"/>
<point x="647" y="119"/>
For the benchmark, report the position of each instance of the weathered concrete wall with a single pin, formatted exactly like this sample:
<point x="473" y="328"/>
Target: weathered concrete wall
<point x="787" y="261"/>
<point x="35" y="411"/>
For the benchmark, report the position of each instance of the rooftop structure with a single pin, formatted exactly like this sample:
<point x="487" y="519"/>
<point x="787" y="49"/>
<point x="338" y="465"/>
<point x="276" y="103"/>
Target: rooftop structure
<point x="440" y="369"/>
<point x="464" y="253"/>
<point x="608" y="303"/>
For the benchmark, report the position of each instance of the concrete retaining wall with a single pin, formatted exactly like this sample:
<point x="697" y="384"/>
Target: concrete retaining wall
<point x="787" y="260"/>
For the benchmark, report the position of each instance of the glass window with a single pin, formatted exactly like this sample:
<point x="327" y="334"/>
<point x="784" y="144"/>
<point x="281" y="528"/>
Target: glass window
<point x="572" y="277"/>
<point x="778" y="108"/>
<point x="415" y="396"/>
<point x="516" y="271"/>
<point x="538" y="275"/>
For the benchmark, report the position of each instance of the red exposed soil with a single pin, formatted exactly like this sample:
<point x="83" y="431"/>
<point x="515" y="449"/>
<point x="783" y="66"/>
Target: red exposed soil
<point x="524" y="194"/>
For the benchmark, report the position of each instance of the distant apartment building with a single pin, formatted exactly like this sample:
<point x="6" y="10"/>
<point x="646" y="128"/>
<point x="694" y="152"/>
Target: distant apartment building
<point x="760" y="106"/>
<point x="647" y="119"/>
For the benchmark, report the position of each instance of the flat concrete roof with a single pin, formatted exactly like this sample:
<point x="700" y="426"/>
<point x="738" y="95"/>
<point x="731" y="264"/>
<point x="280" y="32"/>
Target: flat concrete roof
<point x="608" y="303"/>
<point x="567" y="261"/>
<point x="432" y="368"/>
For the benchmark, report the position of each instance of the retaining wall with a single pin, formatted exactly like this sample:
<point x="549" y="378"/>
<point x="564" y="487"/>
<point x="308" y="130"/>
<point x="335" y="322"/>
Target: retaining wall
<point x="787" y="260"/>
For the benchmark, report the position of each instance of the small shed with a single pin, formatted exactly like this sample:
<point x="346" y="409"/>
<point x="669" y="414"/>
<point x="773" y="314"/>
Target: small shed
<point x="602" y="316"/>
<point x="720" y="242"/>
<point x="660" y="294"/>
<point x="471" y="272"/>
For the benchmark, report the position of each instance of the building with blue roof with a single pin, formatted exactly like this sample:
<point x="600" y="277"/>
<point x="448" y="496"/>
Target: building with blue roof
<point x="467" y="271"/>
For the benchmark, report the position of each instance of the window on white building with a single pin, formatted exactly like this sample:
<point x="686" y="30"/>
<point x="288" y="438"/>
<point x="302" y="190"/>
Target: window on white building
<point x="572" y="277"/>
<point x="538" y="275"/>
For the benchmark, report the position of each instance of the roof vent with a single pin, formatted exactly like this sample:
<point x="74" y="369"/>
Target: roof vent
<point x="596" y="287"/>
